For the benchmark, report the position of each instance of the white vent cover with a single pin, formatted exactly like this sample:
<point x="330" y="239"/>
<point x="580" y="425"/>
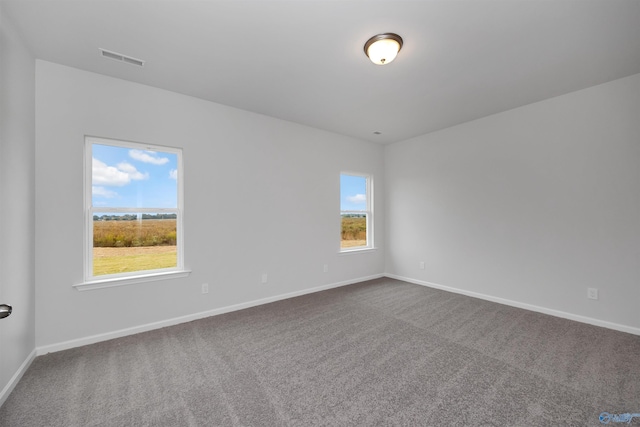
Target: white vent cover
<point x="120" y="57"/>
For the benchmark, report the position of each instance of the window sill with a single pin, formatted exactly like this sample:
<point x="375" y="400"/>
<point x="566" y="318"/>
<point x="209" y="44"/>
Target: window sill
<point x="123" y="281"/>
<point x="356" y="251"/>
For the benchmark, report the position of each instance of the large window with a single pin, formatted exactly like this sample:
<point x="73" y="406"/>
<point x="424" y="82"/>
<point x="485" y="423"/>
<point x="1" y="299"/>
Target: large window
<point x="356" y="212"/>
<point x="133" y="208"/>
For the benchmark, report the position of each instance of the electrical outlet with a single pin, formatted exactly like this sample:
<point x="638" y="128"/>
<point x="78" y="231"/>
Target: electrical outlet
<point x="592" y="293"/>
<point x="421" y="265"/>
<point x="325" y="268"/>
<point x="205" y="288"/>
<point x="264" y="277"/>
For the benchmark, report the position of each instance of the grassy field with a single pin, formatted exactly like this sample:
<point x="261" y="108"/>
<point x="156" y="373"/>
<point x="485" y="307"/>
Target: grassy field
<point x="125" y="246"/>
<point x="354" y="232"/>
<point x="344" y="244"/>
<point x="123" y="260"/>
<point x="125" y="234"/>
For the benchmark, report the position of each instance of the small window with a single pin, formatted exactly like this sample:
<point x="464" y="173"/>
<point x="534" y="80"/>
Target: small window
<point x="133" y="200"/>
<point x="356" y="214"/>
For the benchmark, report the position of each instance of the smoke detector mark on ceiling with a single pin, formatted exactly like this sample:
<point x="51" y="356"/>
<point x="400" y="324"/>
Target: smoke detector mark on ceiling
<point x="120" y="57"/>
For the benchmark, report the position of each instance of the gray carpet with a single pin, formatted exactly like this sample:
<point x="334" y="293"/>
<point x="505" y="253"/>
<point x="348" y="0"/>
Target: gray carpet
<point x="382" y="352"/>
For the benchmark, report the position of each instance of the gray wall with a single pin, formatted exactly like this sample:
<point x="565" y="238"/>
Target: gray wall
<point x="533" y="205"/>
<point x="261" y="195"/>
<point x="17" y="192"/>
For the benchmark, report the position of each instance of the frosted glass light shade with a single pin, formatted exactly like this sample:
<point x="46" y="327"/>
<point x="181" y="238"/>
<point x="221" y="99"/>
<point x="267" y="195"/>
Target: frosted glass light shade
<point x="383" y="48"/>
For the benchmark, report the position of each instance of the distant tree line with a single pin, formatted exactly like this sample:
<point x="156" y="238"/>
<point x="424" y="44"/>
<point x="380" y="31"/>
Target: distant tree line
<point x="133" y="217"/>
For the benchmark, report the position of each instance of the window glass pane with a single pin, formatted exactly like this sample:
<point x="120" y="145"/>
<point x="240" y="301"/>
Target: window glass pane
<point x="354" y="231"/>
<point x="129" y="242"/>
<point x="134" y="178"/>
<point x="353" y="193"/>
<point x="354" y="211"/>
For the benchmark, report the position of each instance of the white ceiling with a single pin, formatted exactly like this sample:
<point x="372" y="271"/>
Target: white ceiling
<point x="303" y="60"/>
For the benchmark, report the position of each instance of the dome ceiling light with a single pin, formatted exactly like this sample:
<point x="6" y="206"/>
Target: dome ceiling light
<point x="383" y="48"/>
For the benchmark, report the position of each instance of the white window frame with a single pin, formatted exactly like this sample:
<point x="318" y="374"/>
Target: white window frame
<point x="368" y="211"/>
<point x="103" y="281"/>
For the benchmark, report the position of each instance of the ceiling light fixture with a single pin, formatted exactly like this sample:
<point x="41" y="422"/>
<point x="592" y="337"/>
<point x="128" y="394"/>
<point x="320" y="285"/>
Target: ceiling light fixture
<point x="383" y="48"/>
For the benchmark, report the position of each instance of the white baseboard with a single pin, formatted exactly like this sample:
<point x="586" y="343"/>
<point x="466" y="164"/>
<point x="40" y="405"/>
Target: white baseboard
<point x="51" y="348"/>
<point x="6" y="391"/>
<point x="531" y="307"/>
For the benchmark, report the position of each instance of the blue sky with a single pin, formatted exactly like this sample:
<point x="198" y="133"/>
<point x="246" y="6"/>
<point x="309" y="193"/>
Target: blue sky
<point x="353" y="193"/>
<point x="125" y="177"/>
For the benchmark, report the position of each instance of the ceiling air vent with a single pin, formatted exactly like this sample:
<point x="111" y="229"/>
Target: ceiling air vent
<point x="122" y="58"/>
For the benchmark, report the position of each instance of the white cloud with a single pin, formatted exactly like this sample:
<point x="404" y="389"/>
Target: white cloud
<point x="97" y="190"/>
<point x="173" y="174"/>
<point x="147" y="157"/>
<point x="134" y="173"/>
<point x="117" y="176"/>
<point x="108" y="175"/>
<point x="358" y="198"/>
